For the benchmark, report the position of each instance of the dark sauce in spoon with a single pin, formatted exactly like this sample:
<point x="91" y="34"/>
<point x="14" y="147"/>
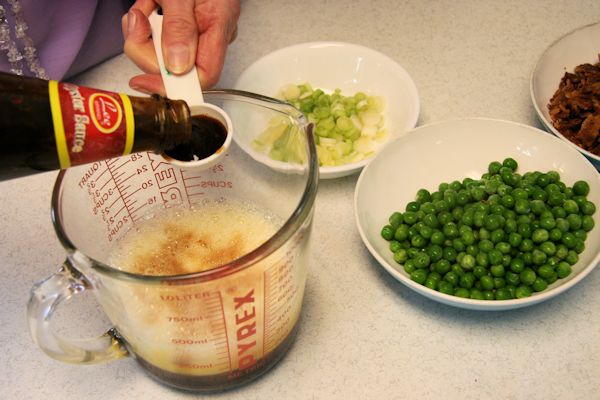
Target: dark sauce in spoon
<point x="208" y="136"/>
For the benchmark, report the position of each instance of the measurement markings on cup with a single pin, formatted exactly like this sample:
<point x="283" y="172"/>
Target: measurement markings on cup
<point x="279" y="291"/>
<point x="207" y="311"/>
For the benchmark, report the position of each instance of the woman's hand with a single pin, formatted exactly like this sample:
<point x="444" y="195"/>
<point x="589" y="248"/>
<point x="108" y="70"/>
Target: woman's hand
<point x="194" y="32"/>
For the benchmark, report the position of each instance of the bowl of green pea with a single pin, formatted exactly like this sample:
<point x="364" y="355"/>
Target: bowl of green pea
<point x="481" y="214"/>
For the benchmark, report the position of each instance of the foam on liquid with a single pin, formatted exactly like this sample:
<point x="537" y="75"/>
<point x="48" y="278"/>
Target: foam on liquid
<point x="182" y="241"/>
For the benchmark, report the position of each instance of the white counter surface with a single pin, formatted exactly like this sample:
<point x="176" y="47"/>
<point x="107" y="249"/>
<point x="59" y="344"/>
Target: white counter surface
<point x="363" y="334"/>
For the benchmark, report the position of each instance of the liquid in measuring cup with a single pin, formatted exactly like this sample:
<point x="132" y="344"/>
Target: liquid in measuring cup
<point x="216" y="333"/>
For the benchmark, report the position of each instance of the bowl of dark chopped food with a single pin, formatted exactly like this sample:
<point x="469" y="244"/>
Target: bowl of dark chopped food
<point x="565" y="89"/>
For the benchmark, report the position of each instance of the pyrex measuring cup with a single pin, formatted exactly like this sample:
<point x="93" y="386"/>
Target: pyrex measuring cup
<point x="202" y="331"/>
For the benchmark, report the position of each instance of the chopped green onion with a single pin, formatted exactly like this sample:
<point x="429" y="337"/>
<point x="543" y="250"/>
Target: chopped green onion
<point x="347" y="128"/>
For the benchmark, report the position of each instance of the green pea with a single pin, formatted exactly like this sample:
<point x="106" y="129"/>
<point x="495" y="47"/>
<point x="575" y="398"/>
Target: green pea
<point x="442" y="266"/>
<point x="387" y="232"/>
<point x="574" y="221"/>
<point x="401" y="233"/>
<point x="514" y="239"/>
<point x="579" y="246"/>
<point x="539" y="284"/>
<point x="561" y="251"/>
<point x="511" y="225"/>
<point x="563" y="269"/>
<point x="522" y="292"/>
<point x="552" y="278"/>
<point x="499" y="282"/>
<point x="555" y="235"/>
<point x="431" y="283"/>
<point x="581" y="188"/>
<point x="517" y="265"/>
<point x="497" y="235"/>
<point x="527" y="276"/>
<point x="569" y="240"/>
<point x="519" y="194"/>
<point x="538" y="206"/>
<point x="423" y="196"/>
<point x="486" y="245"/>
<point x="446" y="288"/>
<point x="545" y="271"/>
<point x="556" y="199"/>
<point x="418" y="241"/>
<point x="410" y="217"/>
<point x="434" y="252"/>
<point x="463" y="197"/>
<point x="450" y="254"/>
<point x="396" y="219"/>
<point x="479" y="271"/>
<point x="401" y="256"/>
<point x="487" y="282"/>
<point x="431" y="220"/>
<point x="452" y="277"/>
<point x="588" y="208"/>
<point x="524" y="230"/>
<point x="547" y="222"/>
<point x="587" y="223"/>
<point x="437" y="237"/>
<point x="580" y="234"/>
<point x="409" y="266"/>
<point x="512" y="279"/>
<point x="458" y="244"/>
<point x="426" y="232"/>
<point x="467" y="281"/>
<point x="540" y="235"/>
<point x="503" y="294"/>
<point x="456" y="268"/>
<point x="494" y="167"/>
<point x="527" y="257"/>
<point x="477" y="193"/>
<point x="559" y="212"/>
<point x="467" y="262"/>
<point x="422" y="260"/>
<point x="503" y="247"/>
<point x="548" y="247"/>
<point x="419" y="276"/>
<point x="538" y="257"/>
<point x="571" y="206"/>
<point x="497" y="270"/>
<point x="395" y="246"/>
<point x="488" y="295"/>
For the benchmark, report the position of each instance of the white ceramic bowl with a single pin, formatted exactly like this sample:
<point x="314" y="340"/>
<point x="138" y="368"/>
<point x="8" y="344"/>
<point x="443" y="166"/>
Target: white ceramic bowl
<point x="349" y="67"/>
<point x="453" y="150"/>
<point x="575" y="48"/>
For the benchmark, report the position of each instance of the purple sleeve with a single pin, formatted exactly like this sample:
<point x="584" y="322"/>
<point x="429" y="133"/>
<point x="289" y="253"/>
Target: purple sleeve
<point x="69" y="35"/>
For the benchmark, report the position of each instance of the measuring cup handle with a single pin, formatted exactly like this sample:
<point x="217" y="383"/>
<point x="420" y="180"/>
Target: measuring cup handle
<point x="44" y="299"/>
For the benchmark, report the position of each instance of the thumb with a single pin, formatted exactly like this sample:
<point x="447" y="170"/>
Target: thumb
<point x="179" y="35"/>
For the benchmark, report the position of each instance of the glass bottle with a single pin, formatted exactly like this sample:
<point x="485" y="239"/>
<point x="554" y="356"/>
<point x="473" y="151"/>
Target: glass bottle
<point x="47" y="125"/>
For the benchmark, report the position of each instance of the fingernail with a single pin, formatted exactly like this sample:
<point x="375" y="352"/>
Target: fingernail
<point x="131" y="20"/>
<point x="178" y="57"/>
<point x="140" y="89"/>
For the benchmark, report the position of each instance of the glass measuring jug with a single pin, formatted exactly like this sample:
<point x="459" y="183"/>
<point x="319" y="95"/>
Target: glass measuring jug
<point x="204" y="331"/>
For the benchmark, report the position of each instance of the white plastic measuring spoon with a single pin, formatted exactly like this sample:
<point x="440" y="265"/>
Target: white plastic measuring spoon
<point x="187" y="87"/>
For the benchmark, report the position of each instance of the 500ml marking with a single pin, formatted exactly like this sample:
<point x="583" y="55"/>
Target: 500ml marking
<point x="189" y="341"/>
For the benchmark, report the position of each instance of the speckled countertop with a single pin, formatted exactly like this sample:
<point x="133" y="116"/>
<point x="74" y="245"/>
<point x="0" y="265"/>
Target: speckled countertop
<point x="363" y="334"/>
